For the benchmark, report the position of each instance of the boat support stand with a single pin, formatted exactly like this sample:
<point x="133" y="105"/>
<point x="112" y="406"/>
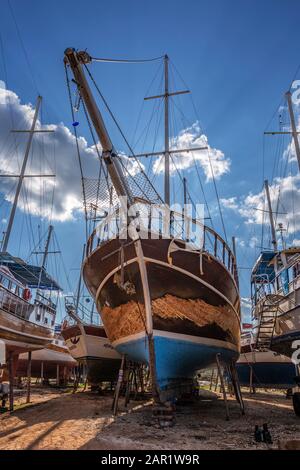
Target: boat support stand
<point x="233" y="378"/>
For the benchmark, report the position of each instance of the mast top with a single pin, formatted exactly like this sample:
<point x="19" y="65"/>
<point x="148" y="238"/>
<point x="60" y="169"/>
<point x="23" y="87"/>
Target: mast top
<point x="82" y="56"/>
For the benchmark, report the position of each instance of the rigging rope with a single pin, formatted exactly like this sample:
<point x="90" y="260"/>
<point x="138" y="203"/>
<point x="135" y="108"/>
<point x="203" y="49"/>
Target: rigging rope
<point x="77" y="148"/>
<point x="126" y="61"/>
<point x="122" y="134"/>
<point x="23" y="48"/>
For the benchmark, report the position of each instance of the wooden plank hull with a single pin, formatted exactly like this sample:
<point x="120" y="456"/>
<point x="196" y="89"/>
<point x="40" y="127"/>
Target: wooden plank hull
<point x="194" y="300"/>
<point x="21" y="335"/>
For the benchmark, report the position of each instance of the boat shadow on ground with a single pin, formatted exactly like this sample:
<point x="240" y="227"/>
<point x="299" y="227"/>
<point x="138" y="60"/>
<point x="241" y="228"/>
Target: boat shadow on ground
<point x="84" y="421"/>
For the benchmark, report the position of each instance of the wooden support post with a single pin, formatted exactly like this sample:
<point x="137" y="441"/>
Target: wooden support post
<point x="222" y="385"/>
<point x="85" y="383"/>
<point x="28" y="377"/>
<point x="211" y="379"/>
<point x="42" y="373"/>
<point x="118" y="387"/>
<point x="152" y="368"/>
<point x="217" y="381"/>
<point x="76" y="379"/>
<point x="11" y="381"/>
<point x="65" y="376"/>
<point x="142" y="379"/>
<point x="57" y="375"/>
<point x="128" y="387"/>
<point x="236" y="387"/>
<point x="251" y="380"/>
<point x="135" y="382"/>
<point x="230" y="387"/>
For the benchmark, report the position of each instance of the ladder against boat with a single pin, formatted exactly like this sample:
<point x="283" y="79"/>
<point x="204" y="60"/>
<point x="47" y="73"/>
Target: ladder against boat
<point x="267" y="312"/>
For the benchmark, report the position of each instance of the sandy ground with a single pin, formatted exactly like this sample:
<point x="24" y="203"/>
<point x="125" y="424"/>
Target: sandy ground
<point x="58" y="420"/>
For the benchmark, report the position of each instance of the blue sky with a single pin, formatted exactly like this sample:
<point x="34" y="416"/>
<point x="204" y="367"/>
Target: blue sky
<point x="237" y="57"/>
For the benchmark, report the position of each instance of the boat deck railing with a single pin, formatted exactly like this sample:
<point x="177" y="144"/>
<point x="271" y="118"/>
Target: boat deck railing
<point x="177" y="226"/>
<point x="264" y="287"/>
<point x="79" y="312"/>
<point x="45" y="302"/>
<point x="14" y="304"/>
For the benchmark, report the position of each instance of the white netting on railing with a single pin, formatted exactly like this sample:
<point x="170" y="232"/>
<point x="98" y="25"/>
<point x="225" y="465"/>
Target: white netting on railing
<point x="100" y="195"/>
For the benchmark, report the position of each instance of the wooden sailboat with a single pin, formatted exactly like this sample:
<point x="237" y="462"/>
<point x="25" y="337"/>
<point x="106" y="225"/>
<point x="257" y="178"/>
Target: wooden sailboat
<point x="275" y="287"/>
<point x="163" y="301"/>
<point x="26" y="320"/>
<point x="88" y="344"/>
<point x="24" y="325"/>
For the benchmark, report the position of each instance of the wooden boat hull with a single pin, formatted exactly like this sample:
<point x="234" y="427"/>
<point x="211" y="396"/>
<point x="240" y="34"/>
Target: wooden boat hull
<point x="89" y="345"/>
<point x="21" y="335"/>
<point x="195" y="306"/>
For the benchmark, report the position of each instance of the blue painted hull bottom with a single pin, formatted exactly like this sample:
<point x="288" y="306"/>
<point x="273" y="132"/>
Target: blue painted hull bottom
<point x="267" y="375"/>
<point x="177" y="359"/>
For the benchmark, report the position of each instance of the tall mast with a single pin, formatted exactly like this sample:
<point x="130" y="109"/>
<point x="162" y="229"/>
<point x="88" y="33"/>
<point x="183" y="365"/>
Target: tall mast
<point x="293" y="125"/>
<point x="50" y="230"/>
<point x="167" y="139"/>
<point x="233" y="246"/>
<point x="46" y="252"/>
<point x="167" y="152"/>
<point x="272" y="224"/>
<point x="76" y="61"/>
<point x="184" y="191"/>
<point x="21" y="177"/>
<point x="79" y="281"/>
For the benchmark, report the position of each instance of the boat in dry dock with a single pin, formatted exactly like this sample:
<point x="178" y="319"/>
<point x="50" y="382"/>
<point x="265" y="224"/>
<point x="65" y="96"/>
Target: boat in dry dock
<point x="264" y="369"/>
<point x="24" y="325"/>
<point x="52" y="362"/>
<point x="28" y="294"/>
<point x="89" y="346"/>
<point x="26" y="320"/>
<point x="275" y="281"/>
<point x="276" y="300"/>
<point x="169" y="301"/>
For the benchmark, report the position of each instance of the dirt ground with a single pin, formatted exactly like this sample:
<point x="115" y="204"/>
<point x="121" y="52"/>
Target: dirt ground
<point x="60" y="420"/>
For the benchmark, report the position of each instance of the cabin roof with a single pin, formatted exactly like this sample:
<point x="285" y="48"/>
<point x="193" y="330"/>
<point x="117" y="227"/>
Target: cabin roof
<point x="263" y="268"/>
<point x="28" y="274"/>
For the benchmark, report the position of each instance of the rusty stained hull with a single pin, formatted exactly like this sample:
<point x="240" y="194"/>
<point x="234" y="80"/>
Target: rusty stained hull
<point x="195" y="315"/>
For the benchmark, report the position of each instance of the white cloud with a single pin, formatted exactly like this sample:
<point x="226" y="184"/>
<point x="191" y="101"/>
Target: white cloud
<point x="67" y="184"/>
<point x="240" y="242"/>
<point x="68" y="192"/>
<point x="288" y="190"/>
<point x="246" y="302"/>
<point x="230" y="203"/>
<point x="246" y="309"/>
<point x="189" y="138"/>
